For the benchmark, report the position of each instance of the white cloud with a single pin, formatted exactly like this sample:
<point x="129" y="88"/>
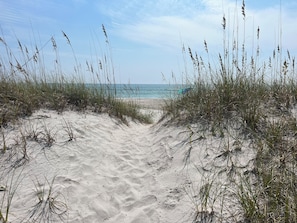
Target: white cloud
<point x="203" y="22"/>
<point x="169" y="31"/>
<point x="170" y="22"/>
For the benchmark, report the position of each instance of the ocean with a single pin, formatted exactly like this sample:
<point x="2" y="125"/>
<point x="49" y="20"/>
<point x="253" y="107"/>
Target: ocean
<point x="149" y="91"/>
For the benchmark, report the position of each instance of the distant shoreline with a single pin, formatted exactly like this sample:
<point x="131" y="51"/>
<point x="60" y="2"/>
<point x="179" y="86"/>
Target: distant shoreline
<point x="141" y="91"/>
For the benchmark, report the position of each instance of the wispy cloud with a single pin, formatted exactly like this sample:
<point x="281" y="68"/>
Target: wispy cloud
<point x="166" y="23"/>
<point x="9" y="13"/>
<point x="21" y="12"/>
<point x="167" y="31"/>
<point x="135" y="10"/>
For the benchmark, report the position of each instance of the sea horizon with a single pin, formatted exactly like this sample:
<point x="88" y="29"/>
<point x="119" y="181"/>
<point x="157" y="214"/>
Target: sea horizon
<point x="142" y="91"/>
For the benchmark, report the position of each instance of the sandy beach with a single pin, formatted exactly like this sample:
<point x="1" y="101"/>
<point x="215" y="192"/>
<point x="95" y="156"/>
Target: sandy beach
<point x="86" y="167"/>
<point x="148" y="103"/>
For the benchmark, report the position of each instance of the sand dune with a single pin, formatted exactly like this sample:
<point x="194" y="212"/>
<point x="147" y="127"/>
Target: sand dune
<point x="111" y="172"/>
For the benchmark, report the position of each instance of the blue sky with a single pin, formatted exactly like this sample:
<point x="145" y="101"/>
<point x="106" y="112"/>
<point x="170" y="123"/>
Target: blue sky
<point x="146" y="37"/>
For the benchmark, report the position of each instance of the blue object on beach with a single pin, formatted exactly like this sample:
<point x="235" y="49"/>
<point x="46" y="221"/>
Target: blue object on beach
<point x="184" y="90"/>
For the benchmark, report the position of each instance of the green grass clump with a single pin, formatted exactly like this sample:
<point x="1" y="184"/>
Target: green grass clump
<point x="25" y="86"/>
<point x="273" y="196"/>
<point x="19" y="99"/>
<point x="219" y="102"/>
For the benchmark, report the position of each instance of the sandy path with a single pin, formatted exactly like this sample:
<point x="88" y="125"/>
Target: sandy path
<point x="114" y="173"/>
<point x="110" y="172"/>
<point x="130" y="181"/>
<point x="127" y="185"/>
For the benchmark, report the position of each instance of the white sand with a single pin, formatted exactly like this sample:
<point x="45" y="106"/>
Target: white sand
<point x="112" y="172"/>
<point x="146" y="103"/>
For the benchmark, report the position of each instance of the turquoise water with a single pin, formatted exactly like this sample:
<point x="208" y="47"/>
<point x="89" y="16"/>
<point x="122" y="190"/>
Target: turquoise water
<point x="149" y="91"/>
<point x="146" y="91"/>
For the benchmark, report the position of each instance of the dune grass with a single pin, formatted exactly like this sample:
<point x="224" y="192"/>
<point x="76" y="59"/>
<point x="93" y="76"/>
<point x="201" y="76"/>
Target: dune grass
<point x="20" y="99"/>
<point x="258" y="101"/>
<point x="25" y="85"/>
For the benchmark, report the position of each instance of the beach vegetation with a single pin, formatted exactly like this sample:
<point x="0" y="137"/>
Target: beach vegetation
<point x="48" y="136"/>
<point x="26" y="86"/>
<point x="69" y="130"/>
<point x="24" y="146"/>
<point x="4" y="146"/>
<point x="51" y="205"/>
<point x="8" y="192"/>
<point x="33" y="132"/>
<point x="240" y="96"/>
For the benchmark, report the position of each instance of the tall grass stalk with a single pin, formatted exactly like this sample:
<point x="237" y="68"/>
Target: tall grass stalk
<point x="8" y="196"/>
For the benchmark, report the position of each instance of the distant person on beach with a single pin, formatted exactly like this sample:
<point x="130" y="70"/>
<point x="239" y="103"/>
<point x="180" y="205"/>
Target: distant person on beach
<point x="184" y="90"/>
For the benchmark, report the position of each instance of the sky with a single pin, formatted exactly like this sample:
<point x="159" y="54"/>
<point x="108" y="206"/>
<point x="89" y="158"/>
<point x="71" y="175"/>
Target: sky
<point x="145" y="38"/>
